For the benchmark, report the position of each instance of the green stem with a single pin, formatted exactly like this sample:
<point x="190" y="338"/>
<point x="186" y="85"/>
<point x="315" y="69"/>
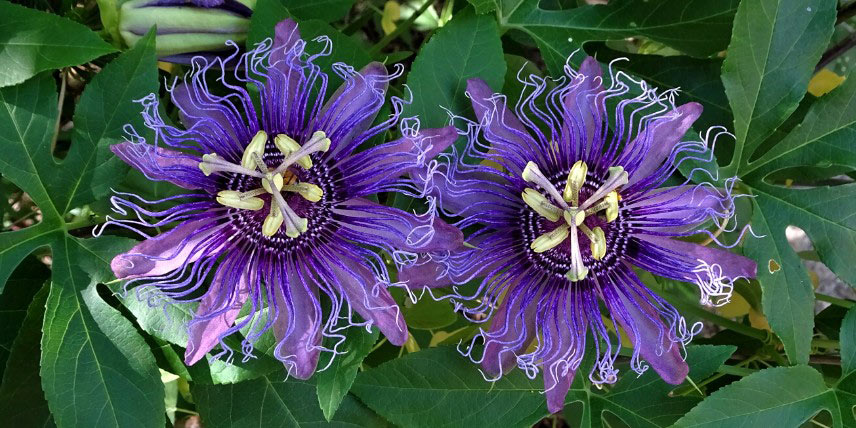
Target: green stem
<point x="825" y="343"/>
<point x="847" y="304"/>
<point x="690" y="388"/>
<point x="400" y="28"/>
<point x="745" y="330"/>
<point x="736" y="371"/>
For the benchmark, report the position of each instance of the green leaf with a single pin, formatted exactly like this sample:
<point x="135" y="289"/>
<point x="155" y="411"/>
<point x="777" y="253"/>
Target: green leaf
<point x="483" y="6"/>
<point x="32" y="41"/>
<point x="334" y="382"/>
<point x="467" y="47"/>
<point x="272" y="402"/>
<point x="439" y="387"/>
<point x="15" y="301"/>
<point x="324" y="10"/>
<point x="779" y="396"/>
<point x="824" y="138"/>
<point x="429" y="314"/>
<point x="697" y="27"/>
<point x="22" y="402"/>
<point x="643" y="401"/>
<point x="774" y="49"/>
<point x="90" y="353"/>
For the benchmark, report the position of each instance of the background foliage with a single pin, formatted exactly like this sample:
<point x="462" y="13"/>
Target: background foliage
<point x="76" y="352"/>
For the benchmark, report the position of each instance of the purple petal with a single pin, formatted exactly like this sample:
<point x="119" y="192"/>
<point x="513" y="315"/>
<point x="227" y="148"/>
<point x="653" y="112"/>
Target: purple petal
<point x="353" y="107"/>
<point x="371" y="300"/>
<point x="298" y="309"/>
<point x="222" y="300"/>
<point x="391" y="227"/>
<point x="507" y="135"/>
<point x="217" y="122"/>
<point x="160" y="164"/>
<point x="732" y="265"/>
<point x="584" y="110"/>
<point x="286" y="36"/>
<point x="557" y="389"/>
<point x="678" y="209"/>
<point x="508" y="335"/>
<point x="371" y="170"/>
<point x="642" y="324"/>
<point x="653" y="146"/>
<point x="286" y="92"/>
<point x="165" y="252"/>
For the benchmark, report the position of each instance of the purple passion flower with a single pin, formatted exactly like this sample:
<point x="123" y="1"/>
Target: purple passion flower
<point x="568" y="202"/>
<point x="279" y="213"/>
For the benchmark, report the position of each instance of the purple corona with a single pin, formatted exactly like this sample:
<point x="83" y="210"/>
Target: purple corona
<point x="566" y="202"/>
<point x="279" y="215"/>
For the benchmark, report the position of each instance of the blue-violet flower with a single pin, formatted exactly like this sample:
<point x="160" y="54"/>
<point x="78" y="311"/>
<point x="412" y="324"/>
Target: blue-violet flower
<point x="567" y="201"/>
<point x="279" y="216"/>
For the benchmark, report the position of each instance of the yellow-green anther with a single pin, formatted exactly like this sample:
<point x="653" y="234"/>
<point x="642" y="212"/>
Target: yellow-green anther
<point x="321" y="137"/>
<point x="309" y="191"/>
<point x="541" y="205"/>
<point x="273" y="221"/>
<point x="235" y="199"/>
<point x="275" y="178"/>
<point x="611" y="201"/>
<point x="255" y="148"/>
<point x="287" y="146"/>
<point x="574" y="217"/>
<point x="300" y="225"/>
<point x="576" y="179"/>
<point x="598" y="241"/>
<point x="551" y="239"/>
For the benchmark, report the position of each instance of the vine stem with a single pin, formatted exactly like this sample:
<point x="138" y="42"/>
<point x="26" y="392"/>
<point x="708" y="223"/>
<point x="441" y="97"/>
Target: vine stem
<point x="63" y="76"/>
<point x="846" y="304"/>
<point x="399" y="29"/>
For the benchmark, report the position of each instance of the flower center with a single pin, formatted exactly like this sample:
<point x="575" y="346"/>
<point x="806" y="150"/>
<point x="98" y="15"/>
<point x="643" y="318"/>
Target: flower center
<point x="567" y="206"/>
<point x="272" y="181"/>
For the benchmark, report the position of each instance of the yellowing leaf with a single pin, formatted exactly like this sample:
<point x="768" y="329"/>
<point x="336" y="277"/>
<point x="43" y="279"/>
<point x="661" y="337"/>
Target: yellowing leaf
<point x="824" y="81"/>
<point x="391" y="13"/>
<point x="758" y="320"/>
<point x="737" y="307"/>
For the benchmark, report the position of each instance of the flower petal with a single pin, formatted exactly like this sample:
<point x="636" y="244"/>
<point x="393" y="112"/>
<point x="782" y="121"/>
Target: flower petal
<point x="679" y="209"/>
<point x="731" y="265"/>
<point x="557" y="389"/>
<point x="584" y="110"/>
<point x="508" y="335"/>
<point x="165" y="252"/>
<point x="390" y="227"/>
<point x="218" y="125"/>
<point x="216" y="314"/>
<point x="653" y="146"/>
<point x="371" y="299"/>
<point x="508" y="137"/>
<point x="353" y="107"/>
<point x="298" y="309"/>
<point x="160" y="164"/>
<point x="290" y="80"/>
<point x="647" y="333"/>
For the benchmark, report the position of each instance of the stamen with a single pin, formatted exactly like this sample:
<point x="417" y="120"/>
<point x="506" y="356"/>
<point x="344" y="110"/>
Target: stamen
<point x="275" y="178"/>
<point x="617" y="178"/>
<point x="294" y="224"/>
<point x="235" y="199"/>
<point x="578" y="270"/>
<point x="576" y="179"/>
<point x="541" y="204"/>
<point x="287" y="146"/>
<point x="318" y="143"/>
<point x="598" y="241"/>
<point x="534" y="175"/>
<point x="255" y="148"/>
<point x="609" y="203"/>
<point x="309" y="191"/>
<point x="551" y="239"/>
<point x="273" y="221"/>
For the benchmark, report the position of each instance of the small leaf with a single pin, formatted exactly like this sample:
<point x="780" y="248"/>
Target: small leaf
<point x="335" y="381"/>
<point x="467" y="47"/>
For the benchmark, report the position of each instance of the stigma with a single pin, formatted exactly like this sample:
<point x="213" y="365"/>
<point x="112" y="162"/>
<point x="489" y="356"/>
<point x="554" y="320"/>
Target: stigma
<point x="272" y="181"/>
<point x="555" y="206"/>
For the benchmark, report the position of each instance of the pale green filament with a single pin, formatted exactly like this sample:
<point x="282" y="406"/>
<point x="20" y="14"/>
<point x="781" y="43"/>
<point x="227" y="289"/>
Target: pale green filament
<point x="605" y="199"/>
<point x="272" y="181"/>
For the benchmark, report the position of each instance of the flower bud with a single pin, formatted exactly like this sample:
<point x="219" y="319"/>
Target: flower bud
<point x="185" y="27"/>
